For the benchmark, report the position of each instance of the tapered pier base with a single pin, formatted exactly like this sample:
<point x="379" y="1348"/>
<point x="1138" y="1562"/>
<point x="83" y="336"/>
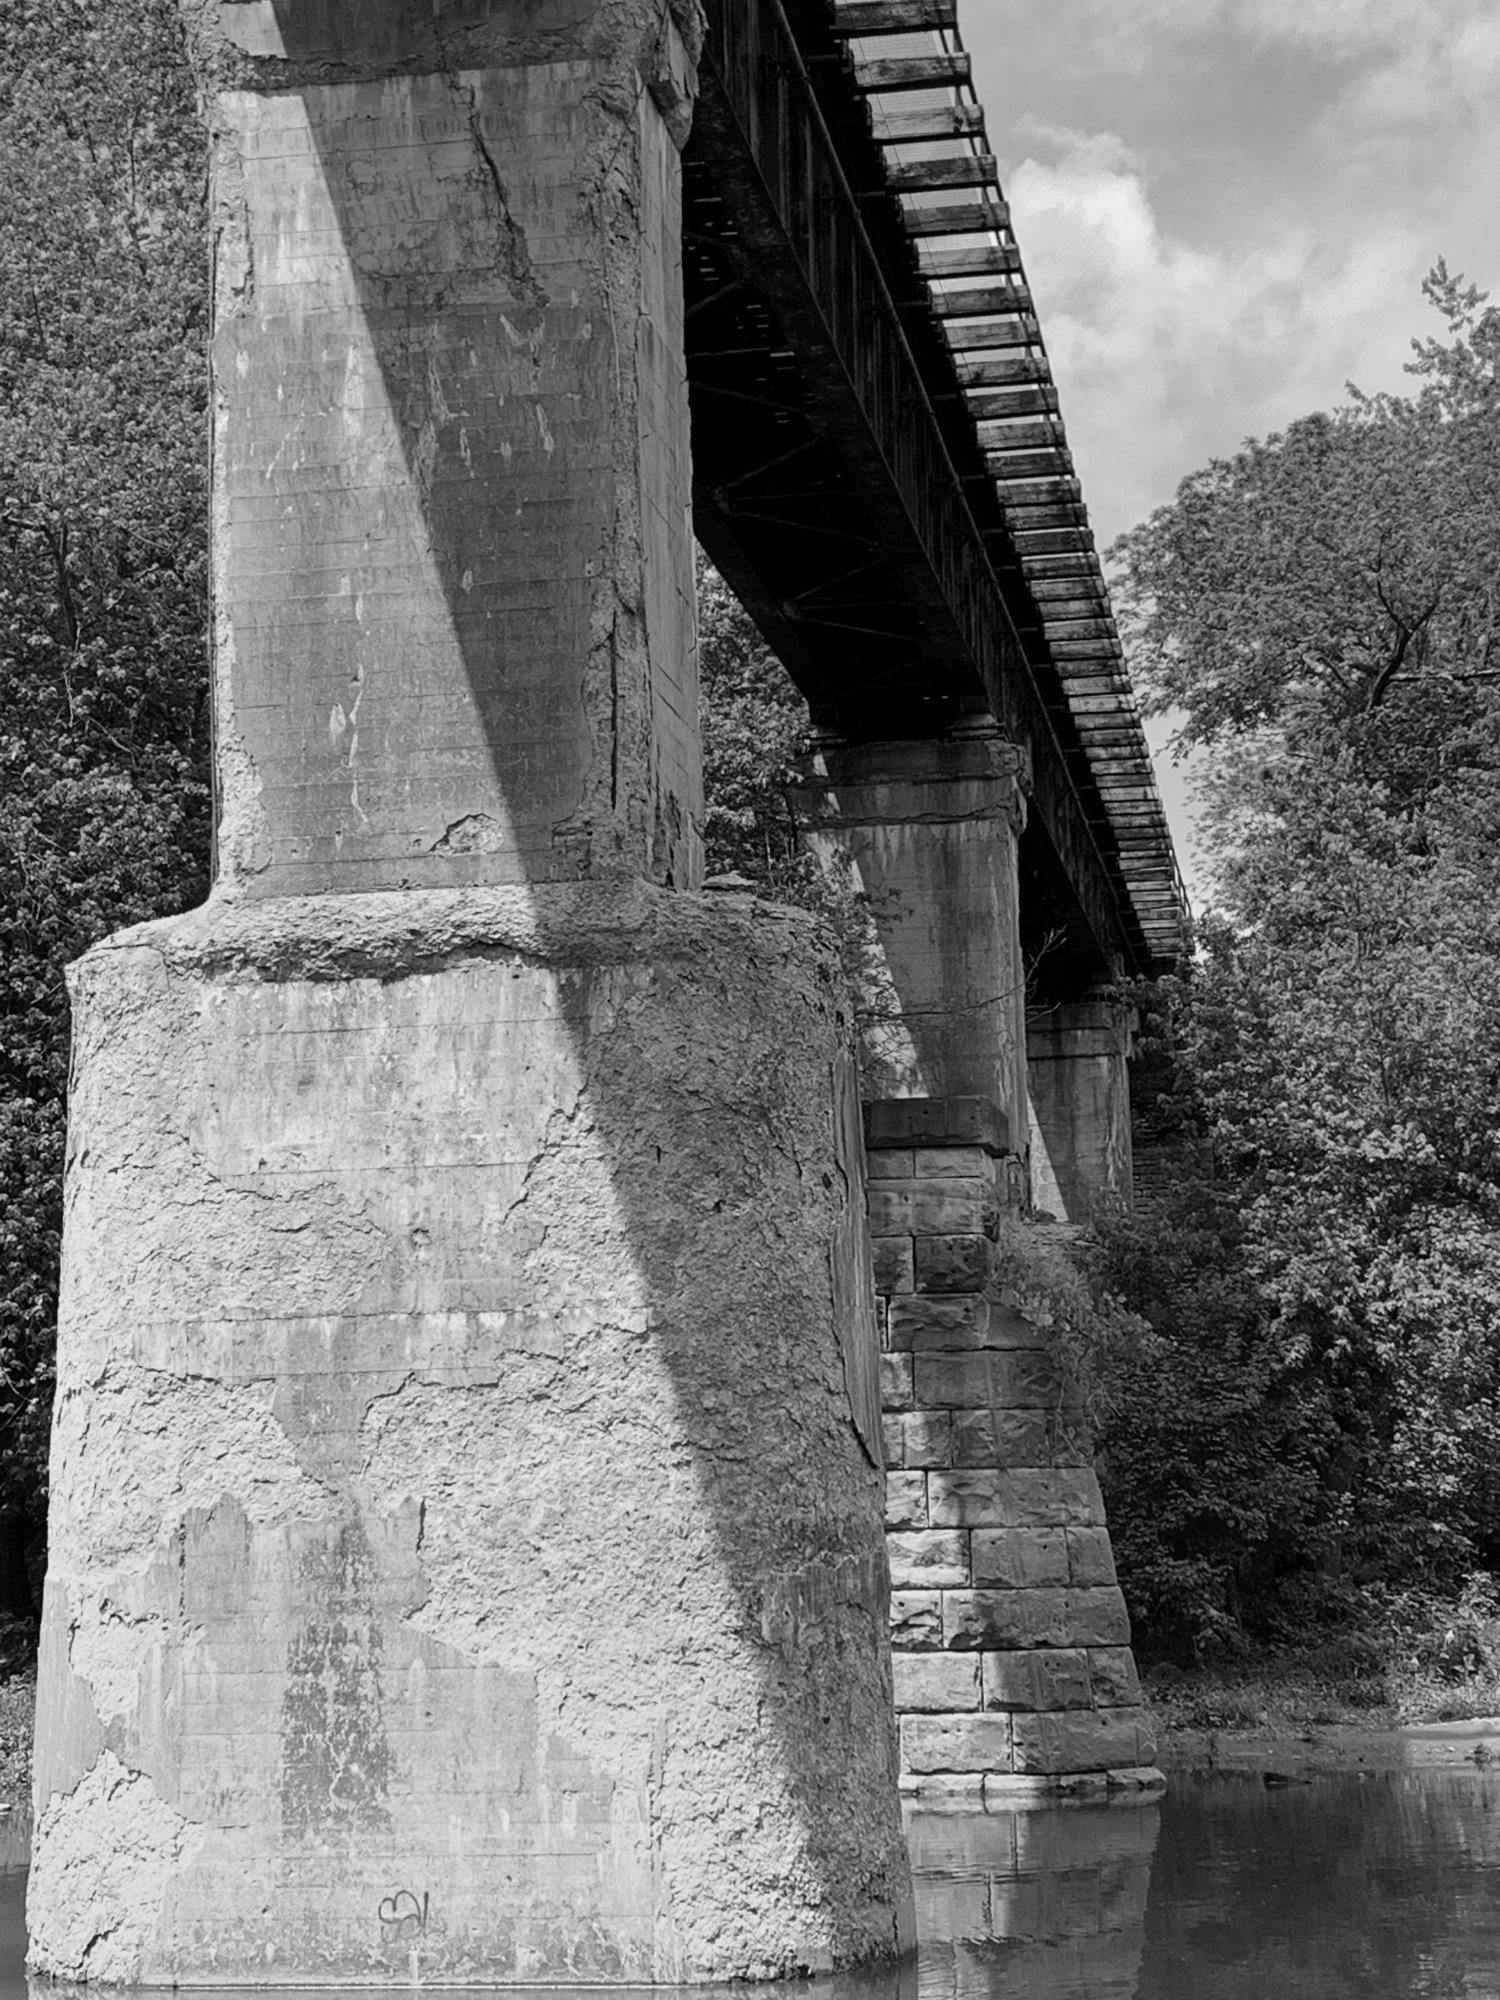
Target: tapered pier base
<point x="466" y="1549"/>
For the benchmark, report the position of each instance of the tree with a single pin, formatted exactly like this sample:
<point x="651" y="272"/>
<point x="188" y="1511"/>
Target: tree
<point x="103" y="525"/>
<point x="1321" y="609"/>
<point x="754" y="723"/>
<point x="1332" y="574"/>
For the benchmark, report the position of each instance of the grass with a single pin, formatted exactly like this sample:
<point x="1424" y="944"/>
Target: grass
<point x="1293" y="1689"/>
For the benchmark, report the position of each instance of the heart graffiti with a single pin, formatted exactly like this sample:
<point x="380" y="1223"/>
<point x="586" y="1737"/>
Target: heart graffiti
<point x="402" y="1916"/>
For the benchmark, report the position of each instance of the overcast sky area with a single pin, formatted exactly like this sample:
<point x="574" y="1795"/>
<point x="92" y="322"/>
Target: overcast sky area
<point x="1226" y="209"/>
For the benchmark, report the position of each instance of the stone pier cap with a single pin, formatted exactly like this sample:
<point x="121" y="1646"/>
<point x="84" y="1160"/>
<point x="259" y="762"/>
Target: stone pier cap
<point x="974" y="774"/>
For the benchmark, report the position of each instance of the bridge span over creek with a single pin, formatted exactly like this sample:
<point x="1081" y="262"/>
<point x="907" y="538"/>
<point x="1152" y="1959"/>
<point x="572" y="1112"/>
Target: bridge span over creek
<point x="560" y="1419"/>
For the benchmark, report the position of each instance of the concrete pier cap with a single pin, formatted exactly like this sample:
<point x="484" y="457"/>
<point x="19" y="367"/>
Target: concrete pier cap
<point x="466" y="1555"/>
<point x="924" y="832"/>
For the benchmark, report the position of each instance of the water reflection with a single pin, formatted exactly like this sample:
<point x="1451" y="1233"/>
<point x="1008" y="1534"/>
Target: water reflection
<point x="1363" y="1887"/>
<point x="1046" y="1904"/>
<point x="1366" y="1887"/>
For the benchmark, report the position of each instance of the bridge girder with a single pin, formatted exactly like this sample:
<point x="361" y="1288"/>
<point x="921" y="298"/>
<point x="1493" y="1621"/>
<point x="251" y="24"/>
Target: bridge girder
<point x="839" y="482"/>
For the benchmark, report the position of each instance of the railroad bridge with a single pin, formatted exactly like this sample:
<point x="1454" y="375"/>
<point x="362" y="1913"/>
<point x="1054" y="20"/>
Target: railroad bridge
<point x="500" y="1291"/>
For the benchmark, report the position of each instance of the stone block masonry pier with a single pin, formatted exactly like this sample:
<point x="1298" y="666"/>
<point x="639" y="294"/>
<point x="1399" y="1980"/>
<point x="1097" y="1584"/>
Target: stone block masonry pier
<point x="1013" y="1670"/>
<point x="467" y="1560"/>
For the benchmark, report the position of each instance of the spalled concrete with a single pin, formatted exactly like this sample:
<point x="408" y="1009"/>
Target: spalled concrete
<point x="466" y="1547"/>
<point x="466" y="1558"/>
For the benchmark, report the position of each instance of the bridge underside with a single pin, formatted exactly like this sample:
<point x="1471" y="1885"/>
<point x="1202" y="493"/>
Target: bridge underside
<point x="839" y="481"/>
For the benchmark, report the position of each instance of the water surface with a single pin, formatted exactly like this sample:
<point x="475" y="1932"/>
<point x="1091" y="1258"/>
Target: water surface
<point x="1368" y="1886"/>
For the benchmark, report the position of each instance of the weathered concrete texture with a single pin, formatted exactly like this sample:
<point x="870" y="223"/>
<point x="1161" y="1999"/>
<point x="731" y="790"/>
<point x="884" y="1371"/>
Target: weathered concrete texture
<point x="452" y="568"/>
<point x="1078" y="1065"/>
<point x="464" y="1557"/>
<point x="925" y="833"/>
<point x="1012" y="1643"/>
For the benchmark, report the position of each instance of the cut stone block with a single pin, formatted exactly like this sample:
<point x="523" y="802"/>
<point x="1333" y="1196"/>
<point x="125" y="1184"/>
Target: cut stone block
<point x="916" y="1618"/>
<point x="1019" y="1558"/>
<point x="936" y="1682"/>
<point x="949" y="1162"/>
<point x="927" y="1208"/>
<point x="985" y="1620"/>
<point x="1091" y="1561"/>
<point x="1045" y="1679"/>
<point x="1076" y="1740"/>
<point x="941" y="1322"/>
<point x="974" y="1439"/>
<point x="953" y="1381"/>
<point x="906" y="1500"/>
<point x="937" y="1121"/>
<point x="895" y="1381"/>
<point x="1028" y="1378"/>
<point x="1041" y="1438"/>
<point x="1113" y="1677"/>
<point x="956" y="1742"/>
<point x="957" y="1263"/>
<point x="946" y="1791"/>
<point x="928" y="1561"/>
<point x="969" y="1499"/>
<point x="1099" y="1618"/>
<point x="893" y="1264"/>
<point x="1061" y="1676"/>
<point x="926" y="1438"/>
<point x="1041" y="1497"/>
<point x="1050" y="1615"/>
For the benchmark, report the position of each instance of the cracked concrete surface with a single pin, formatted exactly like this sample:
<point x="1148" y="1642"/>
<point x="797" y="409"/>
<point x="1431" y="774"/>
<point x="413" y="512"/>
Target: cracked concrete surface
<point x="456" y="1484"/>
<point x="453" y="583"/>
<point x="114" y="1848"/>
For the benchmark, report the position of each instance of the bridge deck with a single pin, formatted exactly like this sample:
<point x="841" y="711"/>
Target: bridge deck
<point x="881" y="468"/>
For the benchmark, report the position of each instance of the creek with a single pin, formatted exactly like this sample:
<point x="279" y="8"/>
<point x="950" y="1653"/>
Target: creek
<point x="1364" y="1886"/>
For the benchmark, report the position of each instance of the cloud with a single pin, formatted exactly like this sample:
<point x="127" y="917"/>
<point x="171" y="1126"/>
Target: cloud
<point x="1167" y="352"/>
<point x="1130" y="32"/>
<point x="1226" y="209"/>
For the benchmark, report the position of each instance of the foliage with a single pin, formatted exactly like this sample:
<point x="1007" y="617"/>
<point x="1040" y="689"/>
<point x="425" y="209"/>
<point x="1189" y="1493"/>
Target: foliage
<point x="1315" y="1408"/>
<point x="755" y="729"/>
<point x="1344" y="567"/>
<point x="754" y="722"/>
<point x="103" y="518"/>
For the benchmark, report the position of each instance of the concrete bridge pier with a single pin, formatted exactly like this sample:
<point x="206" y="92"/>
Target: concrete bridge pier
<point x="1013" y="1669"/>
<point x="1077" y="1058"/>
<point x="466" y="1557"/>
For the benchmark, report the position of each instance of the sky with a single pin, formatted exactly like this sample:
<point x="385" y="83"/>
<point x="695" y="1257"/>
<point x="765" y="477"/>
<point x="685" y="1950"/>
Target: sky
<point x="1226" y="209"/>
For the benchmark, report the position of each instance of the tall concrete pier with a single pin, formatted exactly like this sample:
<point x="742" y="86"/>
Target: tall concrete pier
<point x="466" y="1549"/>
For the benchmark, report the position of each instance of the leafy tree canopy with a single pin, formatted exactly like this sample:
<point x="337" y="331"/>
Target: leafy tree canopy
<point x="1344" y="567"/>
<point x="103" y="518"/>
<point x="1321" y="610"/>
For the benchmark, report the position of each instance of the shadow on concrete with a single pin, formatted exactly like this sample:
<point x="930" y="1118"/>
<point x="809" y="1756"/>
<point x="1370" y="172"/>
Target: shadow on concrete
<point x="673" y="1214"/>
